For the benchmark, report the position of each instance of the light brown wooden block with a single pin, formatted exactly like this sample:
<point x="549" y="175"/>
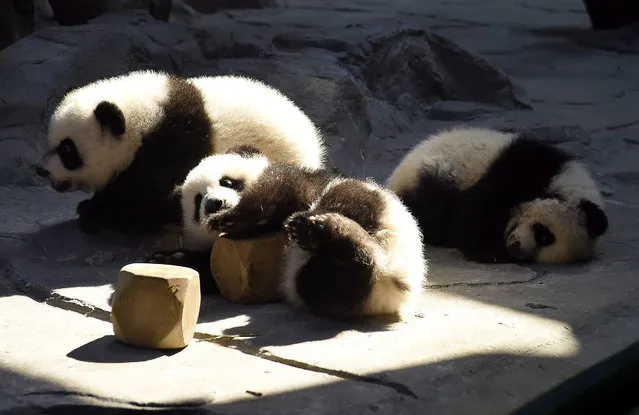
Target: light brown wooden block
<point x="249" y="271"/>
<point x="156" y="305"/>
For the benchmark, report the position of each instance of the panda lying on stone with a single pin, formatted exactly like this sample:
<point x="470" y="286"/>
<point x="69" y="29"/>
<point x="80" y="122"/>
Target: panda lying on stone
<point x="501" y="197"/>
<point x="353" y="247"/>
<point x="133" y="138"/>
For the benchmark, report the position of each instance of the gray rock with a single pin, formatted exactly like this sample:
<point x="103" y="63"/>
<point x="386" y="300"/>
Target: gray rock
<point x="415" y="68"/>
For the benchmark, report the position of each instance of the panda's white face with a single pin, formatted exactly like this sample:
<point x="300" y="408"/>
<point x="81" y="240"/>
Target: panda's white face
<point x="550" y="231"/>
<point x="214" y="185"/>
<point x="96" y="130"/>
<point x="86" y="147"/>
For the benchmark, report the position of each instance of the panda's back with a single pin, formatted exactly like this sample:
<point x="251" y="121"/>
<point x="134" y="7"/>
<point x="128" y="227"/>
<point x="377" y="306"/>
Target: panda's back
<point x="522" y="171"/>
<point x="263" y="117"/>
<point x="458" y="157"/>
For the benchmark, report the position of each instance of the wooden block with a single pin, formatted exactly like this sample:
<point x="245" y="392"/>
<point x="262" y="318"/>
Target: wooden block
<point x="156" y="305"/>
<point x="248" y="272"/>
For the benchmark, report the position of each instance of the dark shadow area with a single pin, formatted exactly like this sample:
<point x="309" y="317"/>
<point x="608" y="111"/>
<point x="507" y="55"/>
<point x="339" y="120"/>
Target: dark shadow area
<point x="479" y="384"/>
<point x="610" y="383"/>
<point x="108" y="349"/>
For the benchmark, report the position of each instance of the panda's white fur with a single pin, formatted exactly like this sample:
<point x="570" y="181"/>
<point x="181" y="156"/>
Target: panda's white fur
<point x="224" y="111"/>
<point x="398" y="254"/>
<point x="480" y="174"/>
<point x="297" y="199"/>
<point x="139" y="96"/>
<point x="248" y="112"/>
<point x="204" y="179"/>
<point x="462" y="153"/>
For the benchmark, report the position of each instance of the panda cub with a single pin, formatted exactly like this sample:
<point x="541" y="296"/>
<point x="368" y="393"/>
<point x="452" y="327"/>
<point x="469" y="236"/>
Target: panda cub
<point x="132" y="138"/>
<point x="353" y="248"/>
<point x="501" y="196"/>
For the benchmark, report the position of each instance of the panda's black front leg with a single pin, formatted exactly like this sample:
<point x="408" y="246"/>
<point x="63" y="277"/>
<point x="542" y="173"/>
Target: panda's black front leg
<point x="197" y="260"/>
<point x="330" y="233"/>
<point x="239" y="224"/>
<point x="94" y="214"/>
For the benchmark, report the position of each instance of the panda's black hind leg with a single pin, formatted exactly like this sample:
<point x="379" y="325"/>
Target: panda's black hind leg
<point x="197" y="260"/>
<point x="433" y="202"/>
<point x="329" y="232"/>
<point x="338" y="277"/>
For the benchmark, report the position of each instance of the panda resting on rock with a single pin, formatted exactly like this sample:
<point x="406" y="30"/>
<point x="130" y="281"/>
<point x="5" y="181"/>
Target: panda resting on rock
<point x="132" y="138"/>
<point x="501" y="197"/>
<point x="353" y="248"/>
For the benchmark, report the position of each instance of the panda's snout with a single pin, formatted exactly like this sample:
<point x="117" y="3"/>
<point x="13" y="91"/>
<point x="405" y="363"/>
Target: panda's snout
<point x="212" y="206"/>
<point x="514" y="249"/>
<point x="41" y="171"/>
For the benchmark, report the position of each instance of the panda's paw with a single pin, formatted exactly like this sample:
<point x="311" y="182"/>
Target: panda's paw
<point x="175" y="257"/>
<point x="240" y="225"/>
<point x="312" y="232"/>
<point x="90" y="218"/>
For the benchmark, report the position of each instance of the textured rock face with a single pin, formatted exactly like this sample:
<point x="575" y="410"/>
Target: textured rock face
<point x="16" y="20"/>
<point x="414" y="69"/>
<point x="376" y="78"/>
<point x="357" y="91"/>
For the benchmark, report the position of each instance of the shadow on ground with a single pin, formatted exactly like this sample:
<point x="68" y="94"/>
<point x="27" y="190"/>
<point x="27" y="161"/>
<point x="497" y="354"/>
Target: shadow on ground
<point x="448" y="386"/>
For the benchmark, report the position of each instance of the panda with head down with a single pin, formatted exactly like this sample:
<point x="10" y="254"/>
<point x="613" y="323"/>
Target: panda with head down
<point x="501" y="196"/>
<point x="353" y="248"/>
<point x="132" y="138"/>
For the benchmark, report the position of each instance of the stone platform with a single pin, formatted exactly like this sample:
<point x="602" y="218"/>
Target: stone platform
<point x="485" y="340"/>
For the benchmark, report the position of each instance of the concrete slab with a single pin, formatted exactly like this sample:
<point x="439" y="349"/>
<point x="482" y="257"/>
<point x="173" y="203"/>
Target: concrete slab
<point x="55" y="357"/>
<point x="485" y="339"/>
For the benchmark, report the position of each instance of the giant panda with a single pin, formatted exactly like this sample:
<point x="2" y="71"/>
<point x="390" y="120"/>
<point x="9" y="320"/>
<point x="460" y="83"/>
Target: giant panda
<point x="132" y="138"/>
<point x="353" y="248"/>
<point x="501" y="196"/>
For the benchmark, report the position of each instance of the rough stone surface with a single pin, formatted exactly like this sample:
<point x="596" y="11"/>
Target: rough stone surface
<point x="376" y="79"/>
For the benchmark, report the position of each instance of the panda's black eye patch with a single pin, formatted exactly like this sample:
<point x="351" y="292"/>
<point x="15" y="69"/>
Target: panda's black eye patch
<point x="543" y="236"/>
<point x="198" y="203"/>
<point x="69" y="155"/>
<point x="231" y="183"/>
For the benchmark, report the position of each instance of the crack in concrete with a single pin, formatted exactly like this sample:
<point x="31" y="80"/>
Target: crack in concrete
<point x="538" y="275"/>
<point x="230" y="341"/>
<point x="74" y="305"/>
<point x="176" y="405"/>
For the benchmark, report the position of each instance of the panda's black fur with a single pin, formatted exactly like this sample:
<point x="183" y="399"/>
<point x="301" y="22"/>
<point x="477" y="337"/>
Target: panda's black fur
<point x="353" y="247"/>
<point x="520" y="173"/>
<point x="133" y="138"/>
<point x="474" y="219"/>
<point x="142" y="197"/>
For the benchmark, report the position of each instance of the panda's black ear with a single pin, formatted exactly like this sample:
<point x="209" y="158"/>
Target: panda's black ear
<point x="596" y="219"/>
<point x="110" y="117"/>
<point x="244" y="150"/>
